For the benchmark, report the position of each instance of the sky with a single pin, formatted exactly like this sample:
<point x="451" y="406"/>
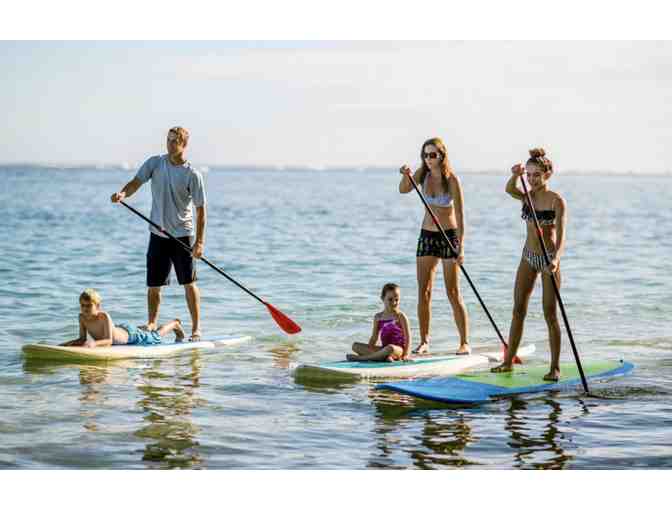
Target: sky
<point x="594" y="106"/>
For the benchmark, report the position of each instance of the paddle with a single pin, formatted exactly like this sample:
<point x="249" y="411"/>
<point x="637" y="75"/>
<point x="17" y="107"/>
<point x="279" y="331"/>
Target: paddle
<point x="285" y="323"/>
<point x="516" y="359"/>
<point x="555" y="285"/>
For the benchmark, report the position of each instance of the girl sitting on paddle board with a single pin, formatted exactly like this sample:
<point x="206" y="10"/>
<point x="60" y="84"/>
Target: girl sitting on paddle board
<point x="97" y="323"/>
<point x="391" y="325"/>
<point x="443" y="193"/>
<point x="551" y="212"/>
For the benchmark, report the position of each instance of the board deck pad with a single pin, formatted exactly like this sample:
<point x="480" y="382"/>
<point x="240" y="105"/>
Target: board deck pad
<point x="425" y="366"/>
<point x="482" y="386"/>
<point x="59" y="352"/>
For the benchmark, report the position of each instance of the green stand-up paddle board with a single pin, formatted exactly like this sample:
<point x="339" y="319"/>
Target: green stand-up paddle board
<point x="480" y="387"/>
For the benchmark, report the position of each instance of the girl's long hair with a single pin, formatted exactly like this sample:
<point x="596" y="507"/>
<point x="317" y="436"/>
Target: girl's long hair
<point x="446" y="168"/>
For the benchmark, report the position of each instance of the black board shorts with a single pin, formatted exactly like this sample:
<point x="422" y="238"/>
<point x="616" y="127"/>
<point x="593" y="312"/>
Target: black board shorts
<point x="433" y="244"/>
<point x="163" y="254"/>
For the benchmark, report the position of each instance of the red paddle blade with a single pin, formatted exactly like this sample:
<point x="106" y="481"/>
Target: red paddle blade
<point x="516" y="360"/>
<point x="286" y="324"/>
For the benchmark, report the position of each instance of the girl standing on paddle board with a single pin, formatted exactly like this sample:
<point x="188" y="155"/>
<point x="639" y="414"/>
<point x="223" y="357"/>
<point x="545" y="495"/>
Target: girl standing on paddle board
<point x="551" y="212"/>
<point x="443" y="192"/>
<point x="393" y="328"/>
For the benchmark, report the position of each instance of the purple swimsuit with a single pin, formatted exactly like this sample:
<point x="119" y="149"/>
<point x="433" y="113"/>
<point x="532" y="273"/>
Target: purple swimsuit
<point x="390" y="333"/>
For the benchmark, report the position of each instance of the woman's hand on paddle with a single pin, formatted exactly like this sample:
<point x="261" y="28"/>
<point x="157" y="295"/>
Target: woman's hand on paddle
<point x="405" y="170"/>
<point x="554" y="265"/>
<point x="518" y="169"/>
<point x="460" y="257"/>
<point x="116" y="197"/>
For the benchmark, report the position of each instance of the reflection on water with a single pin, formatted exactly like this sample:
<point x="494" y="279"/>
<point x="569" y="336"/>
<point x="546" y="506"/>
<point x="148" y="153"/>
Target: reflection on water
<point x="443" y="442"/>
<point x="327" y="387"/>
<point x="168" y="394"/>
<point x="146" y="410"/>
<point x="283" y="354"/>
<point x="537" y="441"/>
<point x="439" y="442"/>
<point x="428" y="436"/>
<point x="93" y="380"/>
<point x="168" y="401"/>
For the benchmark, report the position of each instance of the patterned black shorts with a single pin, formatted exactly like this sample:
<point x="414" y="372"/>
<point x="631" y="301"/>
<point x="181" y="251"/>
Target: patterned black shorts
<point x="433" y="244"/>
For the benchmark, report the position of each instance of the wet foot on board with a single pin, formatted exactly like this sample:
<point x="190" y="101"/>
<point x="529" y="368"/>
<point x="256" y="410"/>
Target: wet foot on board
<point x="503" y="368"/>
<point x="552" y="376"/>
<point x="423" y="348"/>
<point x="463" y="350"/>
<point x="179" y="331"/>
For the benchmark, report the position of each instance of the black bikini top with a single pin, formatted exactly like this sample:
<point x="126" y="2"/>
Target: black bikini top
<point x="545" y="217"/>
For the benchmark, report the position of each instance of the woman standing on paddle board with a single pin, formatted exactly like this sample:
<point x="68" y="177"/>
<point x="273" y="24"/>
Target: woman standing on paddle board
<point x="551" y="212"/>
<point x="443" y="193"/>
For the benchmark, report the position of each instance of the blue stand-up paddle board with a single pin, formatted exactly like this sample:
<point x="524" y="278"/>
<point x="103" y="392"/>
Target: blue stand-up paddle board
<point x="117" y="352"/>
<point x="480" y="387"/>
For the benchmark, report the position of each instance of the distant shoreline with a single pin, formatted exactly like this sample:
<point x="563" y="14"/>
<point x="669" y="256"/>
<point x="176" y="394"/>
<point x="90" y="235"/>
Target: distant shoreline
<point x="290" y="168"/>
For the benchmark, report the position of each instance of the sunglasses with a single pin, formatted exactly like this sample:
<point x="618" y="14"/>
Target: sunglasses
<point x="431" y="155"/>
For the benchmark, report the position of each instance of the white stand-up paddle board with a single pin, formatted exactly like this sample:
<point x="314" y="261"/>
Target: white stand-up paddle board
<point x="116" y="352"/>
<point x="421" y="366"/>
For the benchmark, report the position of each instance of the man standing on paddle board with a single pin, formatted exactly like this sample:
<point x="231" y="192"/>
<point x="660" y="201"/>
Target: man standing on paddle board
<point x="176" y="187"/>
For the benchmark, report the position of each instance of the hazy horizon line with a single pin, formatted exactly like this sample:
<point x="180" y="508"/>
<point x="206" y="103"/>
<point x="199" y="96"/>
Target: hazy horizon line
<point x="203" y="167"/>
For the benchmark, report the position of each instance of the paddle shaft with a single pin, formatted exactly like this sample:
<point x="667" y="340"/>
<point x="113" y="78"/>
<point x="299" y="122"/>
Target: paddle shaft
<point x="188" y="248"/>
<point x="555" y="285"/>
<point x="454" y="251"/>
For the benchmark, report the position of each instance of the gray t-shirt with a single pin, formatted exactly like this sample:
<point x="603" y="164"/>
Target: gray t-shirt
<point x="174" y="190"/>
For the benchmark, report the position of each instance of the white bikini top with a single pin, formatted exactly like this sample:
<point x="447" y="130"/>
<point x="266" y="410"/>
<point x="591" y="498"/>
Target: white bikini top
<point x="442" y="200"/>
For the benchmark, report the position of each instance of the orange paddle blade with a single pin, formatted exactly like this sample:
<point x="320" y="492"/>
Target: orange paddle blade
<point x="286" y="324"/>
<point x="516" y="360"/>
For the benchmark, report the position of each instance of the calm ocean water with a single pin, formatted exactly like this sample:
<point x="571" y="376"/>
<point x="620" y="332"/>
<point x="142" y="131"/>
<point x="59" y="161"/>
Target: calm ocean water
<point x="319" y="245"/>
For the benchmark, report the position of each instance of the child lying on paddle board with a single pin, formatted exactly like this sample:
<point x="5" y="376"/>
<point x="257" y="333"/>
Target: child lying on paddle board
<point x="97" y="323"/>
<point x="391" y="324"/>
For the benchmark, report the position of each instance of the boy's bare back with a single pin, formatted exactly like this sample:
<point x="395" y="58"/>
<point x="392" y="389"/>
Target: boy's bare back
<point x="101" y="326"/>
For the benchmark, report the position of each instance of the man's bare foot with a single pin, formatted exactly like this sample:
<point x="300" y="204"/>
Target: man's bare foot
<point x="553" y="375"/>
<point x="504" y="367"/>
<point x="423" y="348"/>
<point x="352" y="357"/>
<point x="150" y="326"/>
<point x="195" y="336"/>
<point x="179" y="331"/>
<point x="464" y="349"/>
